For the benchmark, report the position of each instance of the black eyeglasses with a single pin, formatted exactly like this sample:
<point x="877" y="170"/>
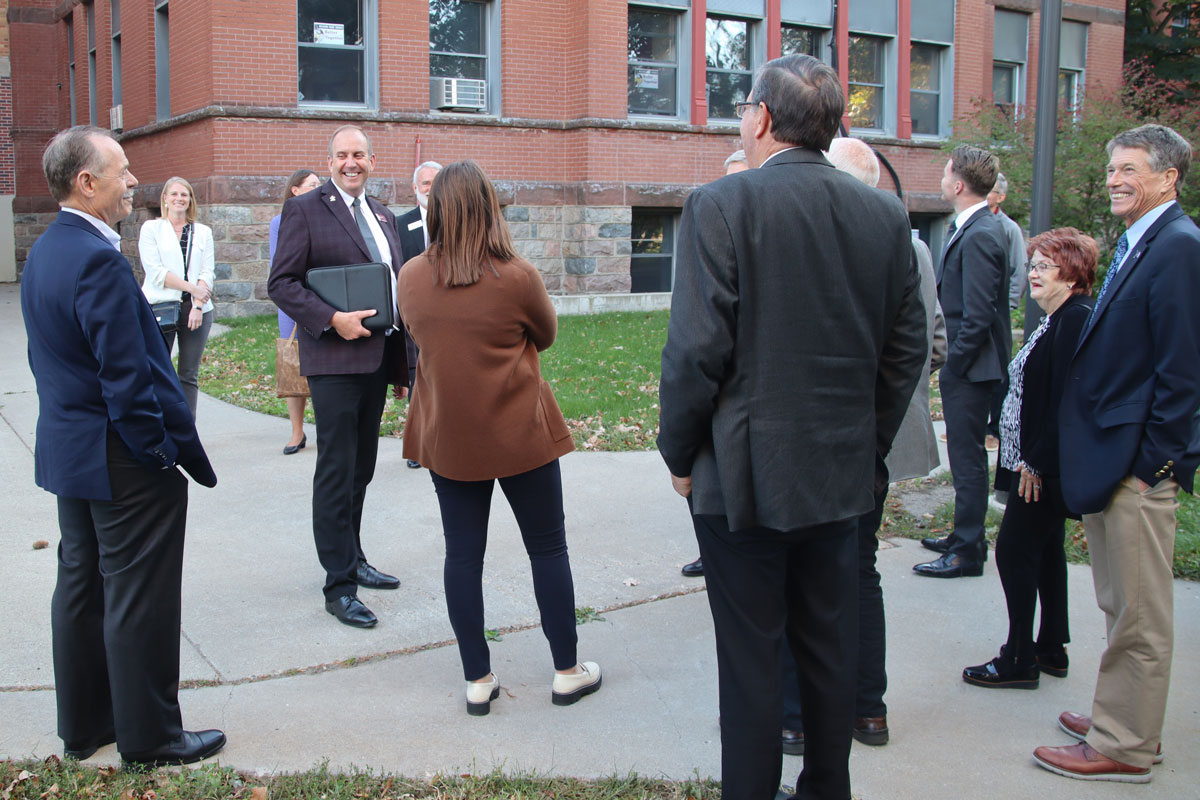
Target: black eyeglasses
<point x="1040" y="267"/>
<point x="740" y="108"/>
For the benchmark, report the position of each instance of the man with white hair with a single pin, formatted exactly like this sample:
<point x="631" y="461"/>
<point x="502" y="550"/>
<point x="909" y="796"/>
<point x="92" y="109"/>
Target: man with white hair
<point x="414" y="238"/>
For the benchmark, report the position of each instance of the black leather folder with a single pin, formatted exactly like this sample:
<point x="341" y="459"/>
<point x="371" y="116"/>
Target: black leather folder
<point x="357" y="287"/>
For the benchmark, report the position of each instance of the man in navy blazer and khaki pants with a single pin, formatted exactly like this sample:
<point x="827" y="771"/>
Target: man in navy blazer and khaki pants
<point x="113" y="425"/>
<point x="348" y="367"/>
<point x="1130" y="438"/>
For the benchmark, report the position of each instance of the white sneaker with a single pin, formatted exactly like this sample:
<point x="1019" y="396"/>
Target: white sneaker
<point x="481" y="695"/>
<point x="569" y="688"/>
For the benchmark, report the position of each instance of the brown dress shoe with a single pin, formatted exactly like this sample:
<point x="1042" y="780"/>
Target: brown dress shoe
<point x="1082" y="762"/>
<point x="1078" y="725"/>
<point x="871" y="730"/>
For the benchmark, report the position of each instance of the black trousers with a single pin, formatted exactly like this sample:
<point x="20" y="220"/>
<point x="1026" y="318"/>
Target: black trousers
<point x="116" y="608"/>
<point x="872" y="633"/>
<point x="965" y="406"/>
<point x="347" y="410"/>
<point x="764" y="585"/>
<point x="1033" y="565"/>
<point x="536" y="500"/>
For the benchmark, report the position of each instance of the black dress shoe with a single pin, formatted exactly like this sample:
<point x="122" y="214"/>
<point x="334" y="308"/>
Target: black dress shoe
<point x="949" y="566"/>
<point x="935" y="544"/>
<point x="1054" y="662"/>
<point x="871" y="730"/>
<point x="291" y="449"/>
<point x="694" y="569"/>
<point x="84" y="750"/>
<point x="371" y="578"/>
<point x="1002" y="673"/>
<point x="350" y="611"/>
<point x="793" y="742"/>
<point x="187" y="748"/>
<point x="412" y="463"/>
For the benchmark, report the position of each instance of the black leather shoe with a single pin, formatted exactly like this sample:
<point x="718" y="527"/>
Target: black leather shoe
<point x="412" y="463"/>
<point x="371" y="578"/>
<point x="1054" y="662"/>
<point x="949" y="566"/>
<point x="187" y="748"/>
<point x="793" y="742"/>
<point x="292" y="449"/>
<point x="694" y="569"/>
<point x="871" y="730"/>
<point x="350" y="611"/>
<point x="1000" y="673"/>
<point x="936" y="545"/>
<point x="84" y="750"/>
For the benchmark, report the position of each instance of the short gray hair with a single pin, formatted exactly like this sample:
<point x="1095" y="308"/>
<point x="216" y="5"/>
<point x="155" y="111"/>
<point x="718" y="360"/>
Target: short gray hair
<point x="1001" y="186"/>
<point x="342" y="129"/>
<point x="426" y="165"/>
<point x="738" y="157"/>
<point x="855" y="157"/>
<point x="69" y="153"/>
<point x="1164" y="149"/>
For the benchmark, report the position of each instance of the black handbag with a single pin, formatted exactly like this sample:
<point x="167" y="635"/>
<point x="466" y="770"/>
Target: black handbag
<point x="167" y="314"/>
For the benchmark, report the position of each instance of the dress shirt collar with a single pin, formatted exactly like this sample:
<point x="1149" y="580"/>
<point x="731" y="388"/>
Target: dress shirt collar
<point x="777" y="152"/>
<point x="1135" y="232"/>
<point x="962" y="218"/>
<point x="106" y="231"/>
<point x="349" y="198"/>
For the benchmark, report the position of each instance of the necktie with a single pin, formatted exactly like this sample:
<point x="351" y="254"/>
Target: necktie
<point x="1114" y="267"/>
<point x="365" y="229"/>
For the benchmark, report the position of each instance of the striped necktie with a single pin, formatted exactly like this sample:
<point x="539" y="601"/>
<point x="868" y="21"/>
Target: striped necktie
<point x="1114" y="267"/>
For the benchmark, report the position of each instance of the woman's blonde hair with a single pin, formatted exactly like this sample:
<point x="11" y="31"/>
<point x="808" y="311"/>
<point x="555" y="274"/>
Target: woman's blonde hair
<point x="193" y="210"/>
<point x="466" y="228"/>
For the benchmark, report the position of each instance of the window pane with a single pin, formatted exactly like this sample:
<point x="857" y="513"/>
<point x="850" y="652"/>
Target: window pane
<point x="328" y="75"/>
<point x="923" y="107"/>
<point x="925" y="68"/>
<point x="1004" y="84"/>
<point x="726" y="44"/>
<point x="321" y="18"/>
<point x="798" y="40"/>
<point x="650" y="274"/>
<point x="725" y="89"/>
<point x="456" y="26"/>
<point x="458" y="67"/>
<point x="646" y="233"/>
<point x="652" y="90"/>
<point x="865" y="107"/>
<point x="866" y="60"/>
<point x="651" y="36"/>
<point x="1066" y="88"/>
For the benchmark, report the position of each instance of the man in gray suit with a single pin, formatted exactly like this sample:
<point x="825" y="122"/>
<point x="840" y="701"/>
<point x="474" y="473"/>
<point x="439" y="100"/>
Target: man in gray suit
<point x="793" y="349"/>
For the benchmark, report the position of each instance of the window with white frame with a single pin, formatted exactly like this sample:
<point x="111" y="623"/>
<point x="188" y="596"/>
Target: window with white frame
<point x="729" y="60"/>
<point x="654" y="61"/>
<point x="336" y="52"/>
<point x="864" y="104"/>
<point x="652" y="258"/>
<point x="1010" y="48"/>
<point x="162" y="60"/>
<point x="930" y="71"/>
<point x="115" y="17"/>
<point x="1072" y="59"/>
<point x="463" y="71"/>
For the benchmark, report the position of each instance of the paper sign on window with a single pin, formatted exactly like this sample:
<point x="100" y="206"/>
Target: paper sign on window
<point x="329" y="33"/>
<point x="645" y="78"/>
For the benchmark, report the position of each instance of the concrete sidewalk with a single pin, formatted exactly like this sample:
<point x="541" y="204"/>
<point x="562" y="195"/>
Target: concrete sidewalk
<point x="292" y="688"/>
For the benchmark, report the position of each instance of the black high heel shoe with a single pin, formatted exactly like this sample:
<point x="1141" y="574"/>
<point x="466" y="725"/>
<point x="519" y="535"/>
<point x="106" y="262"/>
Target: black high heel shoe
<point x="296" y="448"/>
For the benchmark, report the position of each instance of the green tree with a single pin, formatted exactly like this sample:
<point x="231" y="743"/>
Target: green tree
<point x="1165" y="34"/>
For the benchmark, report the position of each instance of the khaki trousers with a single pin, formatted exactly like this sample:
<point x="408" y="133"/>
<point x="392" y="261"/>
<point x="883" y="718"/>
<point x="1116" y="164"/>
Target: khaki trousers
<point x="1132" y="547"/>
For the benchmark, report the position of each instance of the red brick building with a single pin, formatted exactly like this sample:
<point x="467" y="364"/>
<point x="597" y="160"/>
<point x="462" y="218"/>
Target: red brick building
<point x="594" y="117"/>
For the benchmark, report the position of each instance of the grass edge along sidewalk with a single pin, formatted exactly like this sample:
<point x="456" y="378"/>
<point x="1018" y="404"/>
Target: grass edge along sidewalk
<point x="604" y="369"/>
<point x="55" y="778"/>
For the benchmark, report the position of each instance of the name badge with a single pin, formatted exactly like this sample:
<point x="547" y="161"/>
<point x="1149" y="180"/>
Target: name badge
<point x="412" y="226"/>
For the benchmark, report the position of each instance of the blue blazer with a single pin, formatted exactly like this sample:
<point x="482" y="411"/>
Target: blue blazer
<point x="100" y="363"/>
<point x="1133" y="387"/>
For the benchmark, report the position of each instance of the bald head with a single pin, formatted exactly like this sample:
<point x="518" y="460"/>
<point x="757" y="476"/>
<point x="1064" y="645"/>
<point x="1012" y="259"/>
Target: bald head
<point x="855" y="157"/>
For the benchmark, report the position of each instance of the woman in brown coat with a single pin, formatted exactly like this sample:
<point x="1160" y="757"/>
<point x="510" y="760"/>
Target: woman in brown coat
<point x="481" y="412"/>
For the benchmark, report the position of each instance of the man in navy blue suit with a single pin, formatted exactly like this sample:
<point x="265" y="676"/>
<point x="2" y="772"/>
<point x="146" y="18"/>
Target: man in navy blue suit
<point x="113" y="426"/>
<point x="1129" y="439"/>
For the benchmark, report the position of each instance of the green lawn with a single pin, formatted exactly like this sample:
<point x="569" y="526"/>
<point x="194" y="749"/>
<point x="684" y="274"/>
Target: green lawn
<point x="52" y="778"/>
<point x="603" y="367"/>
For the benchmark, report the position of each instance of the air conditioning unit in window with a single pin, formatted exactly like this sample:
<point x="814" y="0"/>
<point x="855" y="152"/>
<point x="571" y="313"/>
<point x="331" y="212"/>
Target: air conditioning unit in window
<point x="457" y="94"/>
<point x="116" y="118"/>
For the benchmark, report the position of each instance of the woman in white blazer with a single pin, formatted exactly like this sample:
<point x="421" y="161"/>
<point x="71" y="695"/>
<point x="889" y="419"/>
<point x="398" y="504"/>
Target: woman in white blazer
<point x="177" y="256"/>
